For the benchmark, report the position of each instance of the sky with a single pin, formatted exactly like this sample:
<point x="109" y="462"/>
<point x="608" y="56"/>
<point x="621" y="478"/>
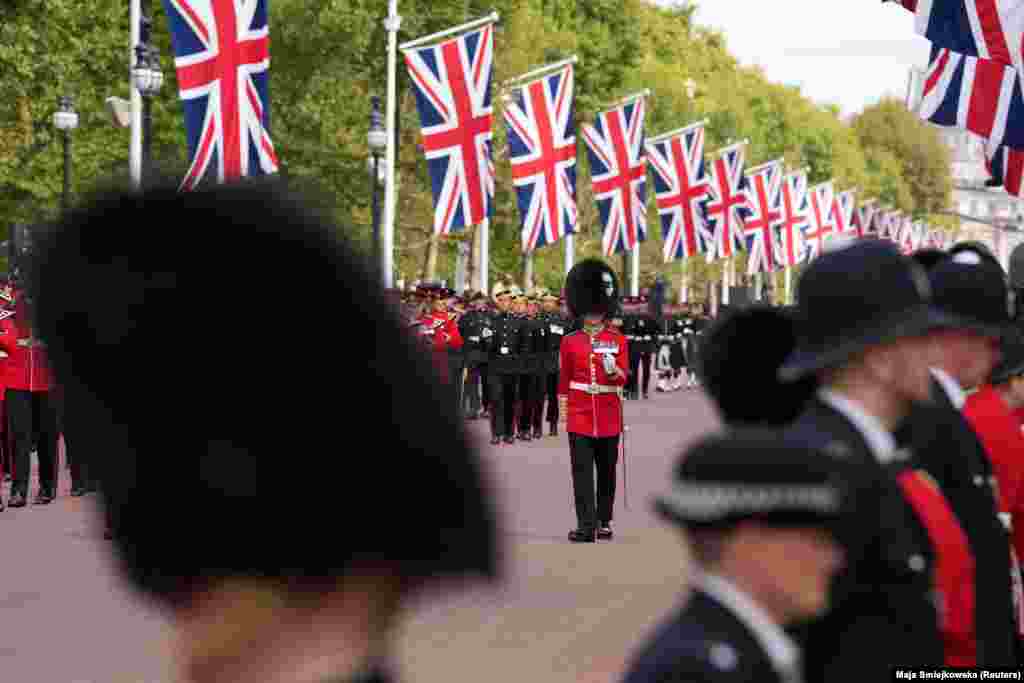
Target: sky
<point x="846" y="52"/>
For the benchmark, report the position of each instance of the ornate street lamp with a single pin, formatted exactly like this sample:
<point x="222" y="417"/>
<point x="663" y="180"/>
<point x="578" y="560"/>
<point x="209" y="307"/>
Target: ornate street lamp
<point x="65" y="119"/>
<point x="148" y="78"/>
<point x="377" y="140"/>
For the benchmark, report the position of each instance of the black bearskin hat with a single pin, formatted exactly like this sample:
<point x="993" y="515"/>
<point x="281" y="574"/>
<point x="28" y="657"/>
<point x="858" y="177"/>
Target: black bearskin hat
<point x="188" y="453"/>
<point x="591" y="288"/>
<point x="739" y="360"/>
<point x="929" y="258"/>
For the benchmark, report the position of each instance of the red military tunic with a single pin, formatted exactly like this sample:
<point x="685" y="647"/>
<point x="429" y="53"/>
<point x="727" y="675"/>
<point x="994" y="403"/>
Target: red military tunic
<point x="441" y="333"/>
<point x="25" y="367"/>
<point x="594" y="399"/>
<point x="954" y="567"/>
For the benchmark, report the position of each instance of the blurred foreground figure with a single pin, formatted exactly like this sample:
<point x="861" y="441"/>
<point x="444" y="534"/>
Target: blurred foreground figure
<point x="189" y="395"/>
<point x="759" y="512"/>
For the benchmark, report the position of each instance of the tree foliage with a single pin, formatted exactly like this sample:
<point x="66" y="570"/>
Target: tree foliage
<point x="329" y="58"/>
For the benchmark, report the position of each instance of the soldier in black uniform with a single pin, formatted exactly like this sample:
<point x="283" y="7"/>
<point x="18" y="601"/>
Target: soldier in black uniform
<point x="531" y="346"/>
<point x="248" y="605"/>
<point x="558" y="325"/>
<point x="645" y="329"/>
<point x="760" y="515"/>
<point x="475" y="351"/>
<point x="503" y="368"/>
<point x="629" y="321"/>
<point x="865" y="341"/>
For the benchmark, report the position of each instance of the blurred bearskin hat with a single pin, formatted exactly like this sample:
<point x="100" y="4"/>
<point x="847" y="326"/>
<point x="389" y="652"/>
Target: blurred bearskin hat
<point x="115" y="348"/>
<point x="591" y="288"/>
<point x="739" y="361"/>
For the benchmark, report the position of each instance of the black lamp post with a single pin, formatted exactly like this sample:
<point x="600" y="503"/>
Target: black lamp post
<point x="148" y="79"/>
<point x="65" y="119"/>
<point x="377" y="141"/>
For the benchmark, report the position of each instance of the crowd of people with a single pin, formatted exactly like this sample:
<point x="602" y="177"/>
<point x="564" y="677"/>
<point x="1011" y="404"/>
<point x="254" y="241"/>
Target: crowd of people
<point x="858" y="511"/>
<point x="500" y="352"/>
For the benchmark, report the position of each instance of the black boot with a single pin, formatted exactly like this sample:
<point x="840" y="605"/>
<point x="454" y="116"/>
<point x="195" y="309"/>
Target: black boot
<point x="495" y="440"/>
<point x="17" y="500"/>
<point x="582" y="536"/>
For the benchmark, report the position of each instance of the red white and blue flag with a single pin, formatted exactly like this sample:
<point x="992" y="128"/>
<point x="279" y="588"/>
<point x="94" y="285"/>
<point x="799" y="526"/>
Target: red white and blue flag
<point x="990" y="29"/>
<point x="1006" y="166"/>
<point x="542" y="149"/>
<point x="618" y="172"/>
<point x="795" y="207"/>
<point x="820" y="225"/>
<point x="864" y="221"/>
<point x="681" y="186"/>
<point x="727" y="206"/>
<point x="764" y="217"/>
<point x="222" y="58"/>
<point x="453" y="94"/>
<point x="975" y="94"/>
<point x="843" y="213"/>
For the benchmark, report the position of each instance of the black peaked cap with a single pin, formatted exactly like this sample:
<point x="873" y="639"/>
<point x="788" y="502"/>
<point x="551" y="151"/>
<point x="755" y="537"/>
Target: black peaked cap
<point x="192" y="396"/>
<point x="761" y="475"/>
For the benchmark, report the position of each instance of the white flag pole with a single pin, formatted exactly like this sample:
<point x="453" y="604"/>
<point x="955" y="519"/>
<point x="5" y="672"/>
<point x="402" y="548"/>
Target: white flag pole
<point x="634" y="270"/>
<point x="789" y="285"/>
<point x="570" y="251"/>
<point x="392" y="24"/>
<point x="135" y="144"/>
<point x="489" y="19"/>
<point x="484" y="255"/>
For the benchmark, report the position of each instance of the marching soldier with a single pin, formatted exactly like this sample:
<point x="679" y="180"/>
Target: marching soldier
<point x="645" y="329"/>
<point x="503" y="368"/>
<point x="760" y="515"/>
<point x="31" y="415"/>
<point x="593" y="370"/>
<point x="865" y="341"/>
<point x="558" y="326"/>
<point x="471" y="326"/>
<point x="249" y="605"/>
<point x="629" y="331"/>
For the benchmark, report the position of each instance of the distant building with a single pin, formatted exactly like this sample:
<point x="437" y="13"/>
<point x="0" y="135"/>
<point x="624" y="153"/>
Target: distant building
<point x="971" y="199"/>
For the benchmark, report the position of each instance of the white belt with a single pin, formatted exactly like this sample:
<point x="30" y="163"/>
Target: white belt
<point x="594" y="388"/>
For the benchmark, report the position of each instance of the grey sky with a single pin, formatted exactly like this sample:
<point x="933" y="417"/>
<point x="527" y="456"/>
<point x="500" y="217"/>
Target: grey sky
<point x="848" y="52"/>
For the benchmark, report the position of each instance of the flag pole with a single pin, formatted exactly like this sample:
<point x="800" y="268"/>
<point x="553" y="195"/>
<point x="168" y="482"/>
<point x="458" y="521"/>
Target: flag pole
<point x="135" y="141"/>
<point x="392" y="24"/>
<point x="485" y="255"/>
<point x="634" y="270"/>
<point x="677" y="131"/>
<point x="570" y="251"/>
<point x="540" y="70"/>
<point x="491" y="18"/>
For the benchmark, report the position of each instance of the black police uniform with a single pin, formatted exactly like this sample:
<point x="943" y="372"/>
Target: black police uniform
<point x="471" y="328"/>
<point x="533" y="343"/>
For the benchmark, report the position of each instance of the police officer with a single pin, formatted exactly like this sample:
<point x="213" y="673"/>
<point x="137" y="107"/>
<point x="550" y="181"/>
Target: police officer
<point x="865" y="341"/>
<point x="593" y="369"/>
<point x="280" y="606"/>
<point x="558" y="324"/>
<point x="472" y="325"/>
<point x="760" y="514"/>
<point x="629" y="331"/>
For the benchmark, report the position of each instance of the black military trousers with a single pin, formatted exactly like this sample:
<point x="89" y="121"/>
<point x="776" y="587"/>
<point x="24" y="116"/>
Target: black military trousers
<point x="456" y="364"/>
<point x="587" y="454"/>
<point x="639" y="363"/>
<point x="527" y="400"/>
<point x="503" y="390"/>
<point x="550" y="387"/>
<point x="31" y="417"/>
<point x="78" y="466"/>
<point x="471" y="391"/>
<point x="485" y="386"/>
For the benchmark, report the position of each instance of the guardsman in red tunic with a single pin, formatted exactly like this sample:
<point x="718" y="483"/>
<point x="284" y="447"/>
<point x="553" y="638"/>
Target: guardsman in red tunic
<point x="29" y="411"/>
<point x="440" y="330"/>
<point x="594" y="369"/>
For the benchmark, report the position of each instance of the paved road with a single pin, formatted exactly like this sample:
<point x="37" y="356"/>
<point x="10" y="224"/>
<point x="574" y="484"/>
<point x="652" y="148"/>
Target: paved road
<point x="566" y="613"/>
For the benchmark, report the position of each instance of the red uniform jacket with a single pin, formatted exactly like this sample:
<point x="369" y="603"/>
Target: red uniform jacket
<point x="954" y="566"/>
<point x="441" y="333"/>
<point x="594" y="407"/>
<point x="25" y="366"/>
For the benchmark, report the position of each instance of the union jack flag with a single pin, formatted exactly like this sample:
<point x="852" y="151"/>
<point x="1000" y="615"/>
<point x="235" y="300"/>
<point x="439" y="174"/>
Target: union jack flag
<point x="975" y="94"/>
<point x="795" y="207"/>
<point x="542" y="149"/>
<point x="618" y="171"/>
<point x="453" y="94"/>
<point x="728" y="205"/>
<point x="764" y="189"/>
<point x="864" y="219"/>
<point x="990" y="29"/>
<point x="1006" y="166"/>
<point x="819" y="225"/>
<point x="681" y="186"/>
<point x="842" y="213"/>
<point x="222" y="58"/>
<point x="888" y="221"/>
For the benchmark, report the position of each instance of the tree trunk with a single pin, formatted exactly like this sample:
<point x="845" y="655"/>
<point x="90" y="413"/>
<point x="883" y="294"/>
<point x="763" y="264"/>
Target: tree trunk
<point x="429" y="273"/>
